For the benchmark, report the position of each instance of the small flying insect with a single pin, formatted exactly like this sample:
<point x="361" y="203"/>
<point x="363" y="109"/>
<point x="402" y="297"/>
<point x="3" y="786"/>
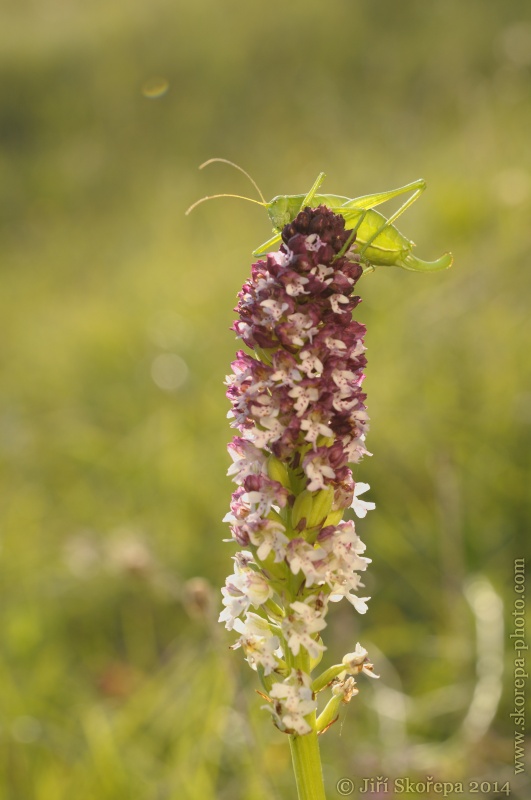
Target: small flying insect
<point x="379" y="242"/>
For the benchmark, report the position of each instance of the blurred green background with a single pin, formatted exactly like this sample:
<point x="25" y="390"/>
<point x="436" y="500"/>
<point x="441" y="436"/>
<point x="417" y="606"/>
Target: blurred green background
<point x="115" y="679"/>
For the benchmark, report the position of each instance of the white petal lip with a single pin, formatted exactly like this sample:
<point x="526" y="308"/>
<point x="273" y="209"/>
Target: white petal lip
<point x="360" y="507"/>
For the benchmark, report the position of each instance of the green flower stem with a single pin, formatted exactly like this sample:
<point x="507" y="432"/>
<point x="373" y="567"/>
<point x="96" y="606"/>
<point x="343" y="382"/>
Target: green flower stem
<point x="305" y="754"/>
<point x="307" y="766"/>
<point x="327" y="676"/>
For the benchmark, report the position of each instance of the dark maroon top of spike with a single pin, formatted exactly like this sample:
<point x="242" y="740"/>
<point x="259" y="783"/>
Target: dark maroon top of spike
<point x="321" y="220"/>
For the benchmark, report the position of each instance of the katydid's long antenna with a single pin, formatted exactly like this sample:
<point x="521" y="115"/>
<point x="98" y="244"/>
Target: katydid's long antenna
<point x="232" y="164"/>
<point x="213" y="197"/>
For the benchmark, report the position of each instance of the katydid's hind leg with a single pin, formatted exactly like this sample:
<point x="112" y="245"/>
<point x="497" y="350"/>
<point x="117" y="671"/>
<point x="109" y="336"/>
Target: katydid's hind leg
<point x="409" y="202"/>
<point x="311" y="194"/>
<point x="362" y="217"/>
<point x="372" y="200"/>
<point x="352" y="234"/>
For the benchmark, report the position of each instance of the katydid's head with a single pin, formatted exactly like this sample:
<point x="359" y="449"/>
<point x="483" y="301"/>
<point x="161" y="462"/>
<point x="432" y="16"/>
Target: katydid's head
<point x="282" y="210"/>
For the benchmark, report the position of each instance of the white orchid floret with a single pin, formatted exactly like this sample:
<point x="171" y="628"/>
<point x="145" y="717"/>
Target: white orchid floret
<point x="303" y="621"/>
<point x="303" y="396"/>
<point x="230" y="518"/>
<point x="323" y="272"/>
<point x="286" y="376"/>
<point x="242" y="560"/>
<point x="295" y="286"/>
<point x="345" y="380"/>
<point x="355" y="659"/>
<point x="336" y="300"/>
<point x="345" y="549"/>
<point x="342" y="581"/>
<point x="255" y="586"/>
<point x="359" y="603"/>
<point x="268" y="494"/>
<point x="358" y="350"/>
<point x="242" y="378"/>
<point x="314" y="427"/>
<point x="310" y="364"/>
<point x="302" y="556"/>
<point x="243" y="589"/>
<point x="303" y="328"/>
<point x="355" y="449"/>
<point x="313" y="242"/>
<point x="261" y="646"/>
<point x="234" y="606"/>
<point x="292" y="700"/>
<point x="274" y="308"/>
<point x="282" y="258"/>
<point x="358" y="661"/>
<point x="263" y="285"/>
<point x="346" y="689"/>
<point x="360" y="507"/>
<point x="335" y="347"/>
<point x="247" y="460"/>
<point x="343" y="570"/>
<point x="343" y="405"/>
<point x="272" y="430"/>
<point x="266" y="408"/>
<point x="317" y="467"/>
<point x="269" y="537"/>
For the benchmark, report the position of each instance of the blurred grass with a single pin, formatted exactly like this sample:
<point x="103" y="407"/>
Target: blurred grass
<point x="116" y="310"/>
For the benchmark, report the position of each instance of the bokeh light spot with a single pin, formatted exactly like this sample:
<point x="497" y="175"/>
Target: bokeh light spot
<point x="512" y="186"/>
<point x="516" y="43"/>
<point x="26" y="729"/>
<point x="169" y="371"/>
<point x="155" y="87"/>
<point x="168" y="330"/>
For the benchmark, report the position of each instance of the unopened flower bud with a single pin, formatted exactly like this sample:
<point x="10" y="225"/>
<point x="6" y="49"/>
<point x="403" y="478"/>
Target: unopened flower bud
<point x="302" y="508"/>
<point x="329" y="714"/>
<point x="322" y="503"/>
<point x="335" y="517"/>
<point x="277" y="471"/>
